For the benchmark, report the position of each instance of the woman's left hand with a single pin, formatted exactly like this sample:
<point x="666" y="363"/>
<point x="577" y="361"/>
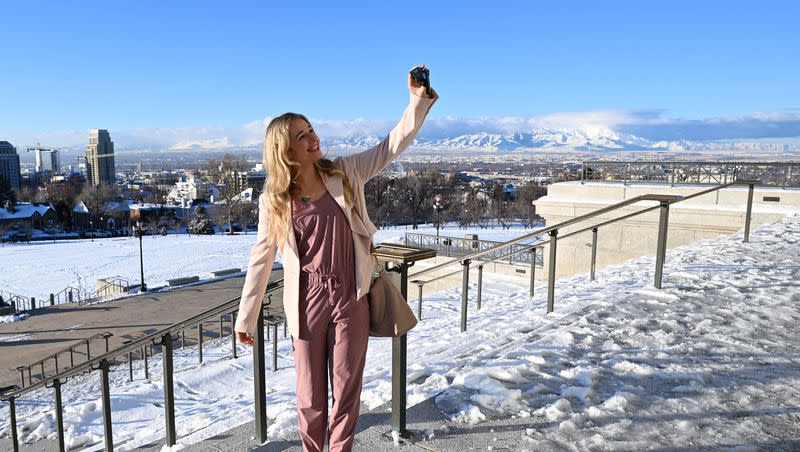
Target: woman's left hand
<point x="417" y="89"/>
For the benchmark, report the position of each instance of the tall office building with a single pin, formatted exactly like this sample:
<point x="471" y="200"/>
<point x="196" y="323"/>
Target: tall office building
<point x="100" y="158"/>
<point x="48" y="161"/>
<point x="9" y="165"/>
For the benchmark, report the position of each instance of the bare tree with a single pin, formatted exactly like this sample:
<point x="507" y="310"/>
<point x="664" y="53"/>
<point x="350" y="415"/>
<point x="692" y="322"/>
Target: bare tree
<point x="63" y="194"/>
<point x="224" y="174"/>
<point x="524" y="208"/>
<point x="379" y="193"/>
<point x="95" y="198"/>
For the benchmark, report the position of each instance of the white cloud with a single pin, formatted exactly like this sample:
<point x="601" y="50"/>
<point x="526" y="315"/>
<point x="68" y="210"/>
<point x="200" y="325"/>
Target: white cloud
<point x="650" y="124"/>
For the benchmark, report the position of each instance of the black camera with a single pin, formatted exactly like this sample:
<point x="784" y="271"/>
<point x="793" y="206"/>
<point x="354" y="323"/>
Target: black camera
<point x="423" y="77"/>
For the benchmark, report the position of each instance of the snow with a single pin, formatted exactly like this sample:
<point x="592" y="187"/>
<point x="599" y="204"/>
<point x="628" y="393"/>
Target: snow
<point x="42" y="268"/>
<point x="709" y="360"/>
<point x="12" y="318"/>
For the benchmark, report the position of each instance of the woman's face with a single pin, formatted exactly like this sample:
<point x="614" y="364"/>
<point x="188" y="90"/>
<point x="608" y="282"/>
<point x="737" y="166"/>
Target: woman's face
<point x="304" y="148"/>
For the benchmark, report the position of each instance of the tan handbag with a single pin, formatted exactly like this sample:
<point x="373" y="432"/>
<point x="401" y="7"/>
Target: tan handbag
<point x="389" y="314"/>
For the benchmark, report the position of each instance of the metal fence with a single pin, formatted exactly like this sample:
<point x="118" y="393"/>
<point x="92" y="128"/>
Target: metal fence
<point x="515" y="253"/>
<point x="143" y="348"/>
<point x="772" y="174"/>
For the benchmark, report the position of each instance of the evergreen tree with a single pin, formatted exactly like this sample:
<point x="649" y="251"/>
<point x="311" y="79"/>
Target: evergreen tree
<point x="201" y="224"/>
<point x="6" y="193"/>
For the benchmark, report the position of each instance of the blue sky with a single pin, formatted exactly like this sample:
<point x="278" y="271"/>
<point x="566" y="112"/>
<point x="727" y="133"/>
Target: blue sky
<point x="179" y="69"/>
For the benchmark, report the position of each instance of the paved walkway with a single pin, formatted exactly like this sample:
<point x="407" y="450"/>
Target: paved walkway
<point x="51" y="329"/>
<point x="430" y="431"/>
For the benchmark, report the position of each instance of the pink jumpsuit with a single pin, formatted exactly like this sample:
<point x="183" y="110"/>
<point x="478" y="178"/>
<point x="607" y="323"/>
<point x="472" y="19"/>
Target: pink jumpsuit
<point x="334" y="326"/>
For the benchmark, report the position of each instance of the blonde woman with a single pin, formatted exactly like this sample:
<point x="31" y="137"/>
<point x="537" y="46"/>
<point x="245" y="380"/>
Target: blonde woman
<point x="313" y="211"/>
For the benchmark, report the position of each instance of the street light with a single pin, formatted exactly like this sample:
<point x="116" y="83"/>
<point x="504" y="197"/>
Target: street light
<point x="137" y="231"/>
<point x="437" y="207"/>
<point x="91" y="233"/>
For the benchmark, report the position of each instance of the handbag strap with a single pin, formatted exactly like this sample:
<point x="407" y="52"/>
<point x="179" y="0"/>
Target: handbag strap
<point x="377" y="265"/>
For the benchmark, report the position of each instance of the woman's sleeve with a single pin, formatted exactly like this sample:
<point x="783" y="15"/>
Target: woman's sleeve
<point x="262" y="256"/>
<point x="368" y="163"/>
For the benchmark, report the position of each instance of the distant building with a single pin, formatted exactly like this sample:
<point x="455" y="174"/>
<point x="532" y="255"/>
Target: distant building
<point x="100" y="158"/>
<point x="25" y="217"/>
<point x="48" y="161"/>
<point x="191" y="188"/>
<point x="9" y="165"/>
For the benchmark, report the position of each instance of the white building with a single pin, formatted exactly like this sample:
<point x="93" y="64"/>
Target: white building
<point x="48" y="161"/>
<point x="191" y="188"/>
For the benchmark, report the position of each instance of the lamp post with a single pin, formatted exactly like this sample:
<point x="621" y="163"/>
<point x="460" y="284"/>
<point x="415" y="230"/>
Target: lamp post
<point x="137" y="231"/>
<point x="91" y="232"/>
<point x="437" y="207"/>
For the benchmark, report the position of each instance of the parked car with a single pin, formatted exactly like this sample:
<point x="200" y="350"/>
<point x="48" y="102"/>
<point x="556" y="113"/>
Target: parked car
<point x="95" y="233"/>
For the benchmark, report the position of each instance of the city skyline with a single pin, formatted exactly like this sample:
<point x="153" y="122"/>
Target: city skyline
<point x="187" y="73"/>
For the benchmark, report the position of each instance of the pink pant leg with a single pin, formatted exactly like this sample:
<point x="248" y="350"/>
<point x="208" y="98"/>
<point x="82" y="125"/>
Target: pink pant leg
<point x="348" y="336"/>
<point x="311" y="363"/>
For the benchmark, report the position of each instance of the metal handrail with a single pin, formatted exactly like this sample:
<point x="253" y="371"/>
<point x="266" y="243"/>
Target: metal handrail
<point x="65" y="293"/>
<point x="136" y="344"/>
<point x="424" y="240"/>
<point x="664" y="202"/>
<point x="41" y="362"/>
<point x="96" y="295"/>
<point x="539" y="232"/>
<point x="649" y="209"/>
<point x="527" y="249"/>
<point x="777" y="174"/>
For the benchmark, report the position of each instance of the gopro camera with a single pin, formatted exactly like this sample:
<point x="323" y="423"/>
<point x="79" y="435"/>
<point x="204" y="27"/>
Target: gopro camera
<point x="422" y="76"/>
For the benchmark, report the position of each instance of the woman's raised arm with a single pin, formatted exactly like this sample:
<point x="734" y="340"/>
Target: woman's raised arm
<point x="368" y="163"/>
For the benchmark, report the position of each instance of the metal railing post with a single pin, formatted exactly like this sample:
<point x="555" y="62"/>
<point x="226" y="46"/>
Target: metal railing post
<point x="233" y="336"/>
<point x="88" y="352"/>
<point x="69" y="296"/>
<point x="419" y="300"/>
<point x="260" y="380"/>
<point x="169" y="389"/>
<point x="200" y="341"/>
<point x="146" y="366"/>
<point x="594" y="254"/>
<point x="464" y="293"/>
<point x="749" y="213"/>
<point x="274" y="347"/>
<point x="533" y="268"/>
<point x="480" y="284"/>
<point x="109" y="440"/>
<point x="400" y="368"/>
<point x="33" y="303"/>
<point x="130" y="366"/>
<point x="21" y="370"/>
<point x="55" y="360"/>
<point x="551" y="273"/>
<point x="661" y="245"/>
<point x="13" y="419"/>
<point x="52" y="300"/>
<point x="59" y="415"/>
<point x="71" y="358"/>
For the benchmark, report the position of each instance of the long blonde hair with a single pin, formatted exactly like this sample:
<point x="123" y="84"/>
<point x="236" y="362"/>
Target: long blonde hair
<point x="282" y="173"/>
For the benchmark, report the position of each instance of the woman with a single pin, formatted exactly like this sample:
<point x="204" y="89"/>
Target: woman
<point x="313" y="211"/>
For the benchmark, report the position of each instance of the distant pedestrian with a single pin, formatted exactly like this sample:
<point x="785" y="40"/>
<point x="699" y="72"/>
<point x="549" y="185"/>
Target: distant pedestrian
<point x="313" y="210"/>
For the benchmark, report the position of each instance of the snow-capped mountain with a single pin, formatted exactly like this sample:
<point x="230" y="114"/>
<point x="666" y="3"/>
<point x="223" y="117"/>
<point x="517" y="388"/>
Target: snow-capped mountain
<point x="588" y="139"/>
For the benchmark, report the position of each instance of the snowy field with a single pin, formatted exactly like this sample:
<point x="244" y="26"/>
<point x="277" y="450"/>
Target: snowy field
<point x="712" y="359"/>
<point x="38" y="269"/>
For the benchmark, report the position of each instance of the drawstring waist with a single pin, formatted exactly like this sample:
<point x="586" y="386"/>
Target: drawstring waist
<point x="321" y="278"/>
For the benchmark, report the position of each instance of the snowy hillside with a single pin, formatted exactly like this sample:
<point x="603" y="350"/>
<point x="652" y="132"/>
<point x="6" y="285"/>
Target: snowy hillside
<point x="711" y="360"/>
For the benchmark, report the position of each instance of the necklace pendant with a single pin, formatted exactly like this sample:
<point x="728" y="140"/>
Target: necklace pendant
<point x="306" y="199"/>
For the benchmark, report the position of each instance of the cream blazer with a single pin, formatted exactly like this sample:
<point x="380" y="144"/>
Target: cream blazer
<point x="359" y="168"/>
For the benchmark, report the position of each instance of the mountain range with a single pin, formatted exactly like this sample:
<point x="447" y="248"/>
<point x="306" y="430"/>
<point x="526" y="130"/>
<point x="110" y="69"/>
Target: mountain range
<point x="587" y="139"/>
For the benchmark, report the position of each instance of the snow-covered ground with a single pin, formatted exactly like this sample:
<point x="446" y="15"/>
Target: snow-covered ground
<point x="42" y="268"/>
<point x="712" y="359"/>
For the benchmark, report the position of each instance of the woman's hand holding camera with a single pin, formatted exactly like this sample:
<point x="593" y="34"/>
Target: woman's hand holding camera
<point x="417" y="88"/>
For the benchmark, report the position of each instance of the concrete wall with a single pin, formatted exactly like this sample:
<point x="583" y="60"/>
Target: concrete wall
<point x="707" y="216"/>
